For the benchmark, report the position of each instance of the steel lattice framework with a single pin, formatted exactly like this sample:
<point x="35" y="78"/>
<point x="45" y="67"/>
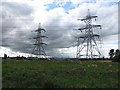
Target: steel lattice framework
<point x="38" y="49"/>
<point x="87" y="42"/>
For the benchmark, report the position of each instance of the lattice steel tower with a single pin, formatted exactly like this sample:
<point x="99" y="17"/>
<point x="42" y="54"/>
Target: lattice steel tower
<point x="87" y="43"/>
<point x="38" y="49"/>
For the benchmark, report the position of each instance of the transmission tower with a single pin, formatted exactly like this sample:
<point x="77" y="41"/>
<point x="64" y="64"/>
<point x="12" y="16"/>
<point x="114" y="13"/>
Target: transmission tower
<point x="87" y="43"/>
<point x="38" y="49"/>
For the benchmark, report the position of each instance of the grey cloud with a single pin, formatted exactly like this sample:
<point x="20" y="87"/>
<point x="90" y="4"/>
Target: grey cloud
<point x="14" y="34"/>
<point x="17" y="9"/>
<point x="60" y="34"/>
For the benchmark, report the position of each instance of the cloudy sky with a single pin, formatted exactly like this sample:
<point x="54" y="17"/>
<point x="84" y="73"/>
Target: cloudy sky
<point x="58" y="17"/>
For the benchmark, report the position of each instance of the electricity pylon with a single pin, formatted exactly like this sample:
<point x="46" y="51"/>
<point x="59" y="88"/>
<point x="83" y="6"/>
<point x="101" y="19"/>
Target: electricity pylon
<point x="87" y="42"/>
<point x="38" y="49"/>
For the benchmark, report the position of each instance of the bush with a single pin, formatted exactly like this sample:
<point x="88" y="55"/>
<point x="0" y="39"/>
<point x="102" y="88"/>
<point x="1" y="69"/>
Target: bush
<point x="116" y="58"/>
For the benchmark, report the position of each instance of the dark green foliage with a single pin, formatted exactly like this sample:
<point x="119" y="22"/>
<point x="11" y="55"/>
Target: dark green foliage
<point x="59" y="74"/>
<point x="111" y="53"/>
<point x="5" y="56"/>
<point x="117" y="56"/>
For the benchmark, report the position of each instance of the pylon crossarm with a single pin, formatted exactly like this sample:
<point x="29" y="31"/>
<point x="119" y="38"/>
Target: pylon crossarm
<point x="40" y="29"/>
<point x="92" y="26"/>
<point x="87" y="18"/>
<point x="83" y="28"/>
<point x="39" y="43"/>
<point x="95" y="26"/>
<point x="95" y="35"/>
<point x="40" y="37"/>
<point x="43" y="29"/>
<point x="44" y="36"/>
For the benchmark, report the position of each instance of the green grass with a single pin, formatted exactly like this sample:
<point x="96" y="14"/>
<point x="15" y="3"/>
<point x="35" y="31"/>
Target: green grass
<point x="59" y="74"/>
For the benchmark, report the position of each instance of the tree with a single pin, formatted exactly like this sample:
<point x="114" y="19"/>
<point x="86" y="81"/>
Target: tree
<point x="5" y="56"/>
<point x="117" y="55"/>
<point x="111" y="53"/>
<point x="117" y="52"/>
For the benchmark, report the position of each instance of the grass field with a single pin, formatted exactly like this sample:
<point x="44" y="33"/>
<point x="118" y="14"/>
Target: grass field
<point x="59" y="74"/>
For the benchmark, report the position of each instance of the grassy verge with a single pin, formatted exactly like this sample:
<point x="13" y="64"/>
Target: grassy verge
<point x="59" y="74"/>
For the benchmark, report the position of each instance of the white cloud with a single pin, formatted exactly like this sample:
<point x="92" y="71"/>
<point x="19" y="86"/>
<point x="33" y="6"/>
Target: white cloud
<point x="69" y="52"/>
<point x="11" y="53"/>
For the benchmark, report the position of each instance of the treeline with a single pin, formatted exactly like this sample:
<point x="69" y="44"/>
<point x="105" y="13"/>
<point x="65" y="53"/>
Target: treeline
<point x="114" y="56"/>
